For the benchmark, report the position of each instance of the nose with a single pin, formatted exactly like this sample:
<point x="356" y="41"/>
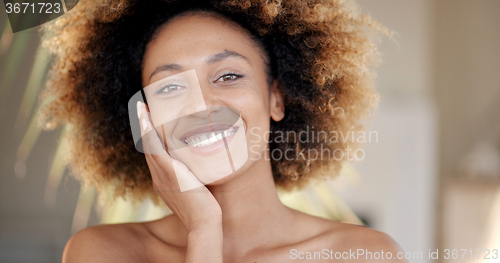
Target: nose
<point x="212" y="102"/>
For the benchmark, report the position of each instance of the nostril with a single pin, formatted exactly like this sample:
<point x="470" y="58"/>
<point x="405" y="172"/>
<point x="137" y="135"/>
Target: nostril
<point x="214" y="103"/>
<point x="215" y="109"/>
<point x="200" y="114"/>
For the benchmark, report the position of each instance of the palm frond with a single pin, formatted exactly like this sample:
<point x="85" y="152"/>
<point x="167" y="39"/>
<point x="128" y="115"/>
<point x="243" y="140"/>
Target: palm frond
<point x="56" y="173"/>
<point x="83" y="209"/>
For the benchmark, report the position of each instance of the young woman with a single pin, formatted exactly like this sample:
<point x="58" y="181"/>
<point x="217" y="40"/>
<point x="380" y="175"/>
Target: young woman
<point x="283" y="65"/>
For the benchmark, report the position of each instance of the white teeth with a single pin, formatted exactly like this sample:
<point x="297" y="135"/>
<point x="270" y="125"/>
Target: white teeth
<point x="206" y="139"/>
<point x="212" y="138"/>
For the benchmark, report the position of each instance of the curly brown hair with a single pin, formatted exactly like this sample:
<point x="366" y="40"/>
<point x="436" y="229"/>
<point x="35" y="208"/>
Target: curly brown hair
<point x="318" y="50"/>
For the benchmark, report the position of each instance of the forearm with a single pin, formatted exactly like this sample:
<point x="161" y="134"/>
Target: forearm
<point x="205" y="244"/>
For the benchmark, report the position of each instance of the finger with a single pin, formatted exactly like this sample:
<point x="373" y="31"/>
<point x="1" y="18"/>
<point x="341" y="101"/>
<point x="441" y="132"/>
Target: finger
<point x="158" y="158"/>
<point x="177" y="172"/>
<point x="153" y="167"/>
<point x="185" y="178"/>
<point x="151" y="141"/>
<point x="145" y="127"/>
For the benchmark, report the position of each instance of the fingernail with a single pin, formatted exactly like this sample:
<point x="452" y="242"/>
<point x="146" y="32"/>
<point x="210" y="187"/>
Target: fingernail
<point x="139" y="106"/>
<point x="144" y="124"/>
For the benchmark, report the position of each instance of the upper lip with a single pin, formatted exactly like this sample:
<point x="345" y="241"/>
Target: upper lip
<point x="206" y="128"/>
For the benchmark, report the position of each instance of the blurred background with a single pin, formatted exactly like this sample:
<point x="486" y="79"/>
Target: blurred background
<point x="431" y="179"/>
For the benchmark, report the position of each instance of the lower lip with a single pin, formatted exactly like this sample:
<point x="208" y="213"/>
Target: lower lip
<point x="213" y="148"/>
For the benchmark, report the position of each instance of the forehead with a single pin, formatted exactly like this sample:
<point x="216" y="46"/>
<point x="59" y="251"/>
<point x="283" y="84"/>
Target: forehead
<point x="196" y="36"/>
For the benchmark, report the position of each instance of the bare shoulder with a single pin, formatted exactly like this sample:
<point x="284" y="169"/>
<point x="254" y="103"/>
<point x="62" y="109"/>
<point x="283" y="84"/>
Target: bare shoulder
<point x="365" y="243"/>
<point x="105" y="243"/>
<point x="320" y="239"/>
<point x="357" y="234"/>
<point x="153" y="241"/>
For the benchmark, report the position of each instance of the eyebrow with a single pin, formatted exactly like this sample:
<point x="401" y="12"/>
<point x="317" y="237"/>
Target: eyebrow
<point x="223" y="55"/>
<point x="211" y="60"/>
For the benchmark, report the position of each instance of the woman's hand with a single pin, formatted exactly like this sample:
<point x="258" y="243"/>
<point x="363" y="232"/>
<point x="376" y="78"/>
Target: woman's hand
<point x="194" y="207"/>
<point x="197" y="209"/>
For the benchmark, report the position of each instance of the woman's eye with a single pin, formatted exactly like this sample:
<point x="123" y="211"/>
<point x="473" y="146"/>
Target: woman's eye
<point x="169" y="88"/>
<point x="229" y="77"/>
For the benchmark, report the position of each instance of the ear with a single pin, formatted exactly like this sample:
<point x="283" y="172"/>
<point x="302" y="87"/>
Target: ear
<point x="276" y="103"/>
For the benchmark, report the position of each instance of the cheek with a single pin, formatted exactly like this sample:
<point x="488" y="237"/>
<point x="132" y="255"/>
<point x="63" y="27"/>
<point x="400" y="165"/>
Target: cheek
<point x="165" y="132"/>
<point x="251" y="103"/>
<point x="254" y="113"/>
<point x="254" y="110"/>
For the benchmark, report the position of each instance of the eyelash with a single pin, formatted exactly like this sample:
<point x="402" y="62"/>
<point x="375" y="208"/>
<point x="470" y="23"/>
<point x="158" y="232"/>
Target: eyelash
<point x="230" y="74"/>
<point x="163" y="88"/>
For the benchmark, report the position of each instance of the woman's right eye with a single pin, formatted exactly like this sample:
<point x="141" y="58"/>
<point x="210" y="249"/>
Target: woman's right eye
<point x="169" y="88"/>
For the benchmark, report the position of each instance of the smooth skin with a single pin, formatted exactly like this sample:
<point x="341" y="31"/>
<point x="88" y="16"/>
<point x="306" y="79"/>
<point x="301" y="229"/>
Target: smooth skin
<point x="238" y="218"/>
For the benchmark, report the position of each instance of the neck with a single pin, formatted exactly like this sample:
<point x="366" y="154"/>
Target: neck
<point x="250" y="205"/>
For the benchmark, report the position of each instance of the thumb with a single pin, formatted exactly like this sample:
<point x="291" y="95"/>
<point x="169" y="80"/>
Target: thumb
<point x="186" y="179"/>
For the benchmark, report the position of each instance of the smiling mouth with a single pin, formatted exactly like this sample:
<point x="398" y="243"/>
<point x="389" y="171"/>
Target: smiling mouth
<point x="205" y="139"/>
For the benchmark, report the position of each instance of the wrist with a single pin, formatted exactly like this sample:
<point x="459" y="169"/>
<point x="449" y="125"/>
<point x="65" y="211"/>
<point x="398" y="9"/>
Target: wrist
<point x="205" y="244"/>
<point x="212" y="225"/>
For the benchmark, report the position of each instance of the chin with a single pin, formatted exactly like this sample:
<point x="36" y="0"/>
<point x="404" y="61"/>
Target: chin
<point x="232" y="176"/>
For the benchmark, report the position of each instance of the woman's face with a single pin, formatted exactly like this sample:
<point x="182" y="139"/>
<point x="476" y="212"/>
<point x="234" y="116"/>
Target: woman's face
<point x="206" y="76"/>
